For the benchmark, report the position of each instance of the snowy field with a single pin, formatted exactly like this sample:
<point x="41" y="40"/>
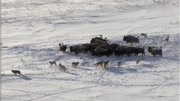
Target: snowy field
<point x="32" y="29"/>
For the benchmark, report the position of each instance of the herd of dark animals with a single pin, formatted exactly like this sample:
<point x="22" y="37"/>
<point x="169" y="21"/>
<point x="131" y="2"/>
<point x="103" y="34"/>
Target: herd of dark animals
<point x="101" y="47"/>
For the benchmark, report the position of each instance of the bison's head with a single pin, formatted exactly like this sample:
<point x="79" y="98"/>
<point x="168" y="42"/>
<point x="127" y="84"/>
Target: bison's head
<point x="124" y="38"/>
<point x="149" y="49"/>
<point x="71" y="48"/>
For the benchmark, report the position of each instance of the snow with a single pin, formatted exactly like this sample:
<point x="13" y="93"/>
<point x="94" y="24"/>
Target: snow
<point x="32" y="29"/>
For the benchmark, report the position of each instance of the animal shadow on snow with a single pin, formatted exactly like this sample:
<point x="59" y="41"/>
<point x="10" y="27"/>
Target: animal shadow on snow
<point x="169" y="58"/>
<point x="122" y="70"/>
<point x="148" y="66"/>
<point x="85" y="69"/>
<point x="152" y="58"/>
<point x="25" y="77"/>
<point x="71" y="73"/>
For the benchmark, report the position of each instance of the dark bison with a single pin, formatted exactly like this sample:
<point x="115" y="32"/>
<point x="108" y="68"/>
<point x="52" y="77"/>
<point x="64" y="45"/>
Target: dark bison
<point x="78" y="49"/>
<point x="120" y="50"/>
<point x="130" y="39"/>
<point x="91" y="46"/>
<point x="101" y="52"/>
<point x="150" y="48"/>
<point x="113" y="47"/>
<point x="88" y="46"/>
<point x="130" y="50"/>
<point x="98" y="40"/>
<point x="125" y="50"/>
<point x="139" y="50"/>
<point x="62" y="47"/>
<point x="155" y="50"/>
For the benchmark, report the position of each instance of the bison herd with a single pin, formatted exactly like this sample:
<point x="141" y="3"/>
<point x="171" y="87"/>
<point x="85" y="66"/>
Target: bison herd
<point x="101" y="47"/>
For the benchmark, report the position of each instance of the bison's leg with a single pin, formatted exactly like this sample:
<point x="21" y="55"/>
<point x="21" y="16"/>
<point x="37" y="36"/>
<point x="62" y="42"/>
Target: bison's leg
<point x="136" y="54"/>
<point x="143" y="54"/>
<point x="107" y="55"/>
<point x="118" y="55"/>
<point x="76" y="52"/>
<point x="19" y="73"/>
<point x="128" y="54"/>
<point x="131" y="44"/>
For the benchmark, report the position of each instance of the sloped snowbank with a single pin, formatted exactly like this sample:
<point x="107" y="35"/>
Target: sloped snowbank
<point x="29" y="45"/>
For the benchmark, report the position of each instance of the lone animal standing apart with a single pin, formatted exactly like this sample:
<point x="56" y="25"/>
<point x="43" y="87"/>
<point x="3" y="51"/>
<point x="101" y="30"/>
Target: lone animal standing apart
<point x="62" y="47"/>
<point x="155" y="50"/>
<point x="52" y="63"/>
<point x="138" y="60"/>
<point x="62" y="67"/>
<point x="75" y="64"/>
<point x="16" y="72"/>
<point x="144" y="35"/>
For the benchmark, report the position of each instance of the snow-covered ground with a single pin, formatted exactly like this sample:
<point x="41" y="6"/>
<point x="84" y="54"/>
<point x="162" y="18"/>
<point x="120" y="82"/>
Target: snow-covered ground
<point x="32" y="29"/>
